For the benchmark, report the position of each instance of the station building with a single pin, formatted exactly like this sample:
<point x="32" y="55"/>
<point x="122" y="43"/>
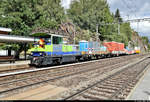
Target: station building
<point x="8" y="52"/>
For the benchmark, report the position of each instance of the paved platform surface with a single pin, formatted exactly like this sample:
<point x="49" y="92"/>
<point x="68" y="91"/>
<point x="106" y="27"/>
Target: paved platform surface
<point x="142" y="89"/>
<point x="41" y="93"/>
<point x="16" y="65"/>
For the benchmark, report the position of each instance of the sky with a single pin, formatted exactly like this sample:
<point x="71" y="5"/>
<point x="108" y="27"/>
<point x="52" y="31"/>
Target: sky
<point x="129" y="9"/>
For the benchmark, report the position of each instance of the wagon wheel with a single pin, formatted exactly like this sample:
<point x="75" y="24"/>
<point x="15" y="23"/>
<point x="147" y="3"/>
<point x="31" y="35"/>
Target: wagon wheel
<point x="60" y="61"/>
<point x="76" y="60"/>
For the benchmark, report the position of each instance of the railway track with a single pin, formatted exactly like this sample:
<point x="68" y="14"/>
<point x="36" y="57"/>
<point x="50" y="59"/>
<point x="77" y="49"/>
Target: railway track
<point x="30" y="79"/>
<point x="115" y="86"/>
<point x="30" y="68"/>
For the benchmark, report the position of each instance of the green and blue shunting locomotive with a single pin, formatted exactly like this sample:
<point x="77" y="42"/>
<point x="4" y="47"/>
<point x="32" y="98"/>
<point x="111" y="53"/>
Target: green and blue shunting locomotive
<point x="49" y="49"/>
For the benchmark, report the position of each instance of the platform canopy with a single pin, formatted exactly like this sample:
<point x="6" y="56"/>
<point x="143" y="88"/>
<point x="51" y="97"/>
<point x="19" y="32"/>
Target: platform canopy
<point x="5" y="30"/>
<point x="22" y="39"/>
<point x="40" y="34"/>
<point x="15" y="39"/>
<point x="5" y="38"/>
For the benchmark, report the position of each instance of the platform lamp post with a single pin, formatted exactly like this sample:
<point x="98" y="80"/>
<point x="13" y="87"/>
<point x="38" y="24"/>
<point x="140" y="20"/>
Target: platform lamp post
<point x="25" y="51"/>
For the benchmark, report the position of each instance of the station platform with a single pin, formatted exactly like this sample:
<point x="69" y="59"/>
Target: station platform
<point x="142" y="89"/>
<point x="17" y="64"/>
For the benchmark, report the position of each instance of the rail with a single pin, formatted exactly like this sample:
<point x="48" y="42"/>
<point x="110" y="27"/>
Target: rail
<point x="107" y="78"/>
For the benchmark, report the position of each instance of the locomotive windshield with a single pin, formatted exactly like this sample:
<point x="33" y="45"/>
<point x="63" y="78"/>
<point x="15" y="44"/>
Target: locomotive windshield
<point x="47" y="39"/>
<point x="42" y="41"/>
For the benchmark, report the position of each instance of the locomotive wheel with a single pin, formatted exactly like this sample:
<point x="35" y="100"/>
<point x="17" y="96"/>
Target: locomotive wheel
<point x="89" y="58"/>
<point x="38" y="66"/>
<point x="55" y="62"/>
<point x="60" y="61"/>
<point x="76" y="60"/>
<point x="97" y="57"/>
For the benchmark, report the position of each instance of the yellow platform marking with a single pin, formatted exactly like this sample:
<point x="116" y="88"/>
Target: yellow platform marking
<point x="41" y="93"/>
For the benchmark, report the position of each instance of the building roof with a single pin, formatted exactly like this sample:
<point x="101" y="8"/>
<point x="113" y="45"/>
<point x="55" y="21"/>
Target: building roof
<point x="5" y="29"/>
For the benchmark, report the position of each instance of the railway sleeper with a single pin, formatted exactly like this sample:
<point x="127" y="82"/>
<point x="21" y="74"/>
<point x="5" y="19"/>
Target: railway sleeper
<point x="121" y="97"/>
<point x="104" y="90"/>
<point x="98" y="93"/>
<point x="111" y="85"/>
<point x="119" y="81"/>
<point x="93" y="97"/>
<point x="115" y="83"/>
<point x="125" y="94"/>
<point x="108" y="87"/>
<point x="79" y="98"/>
<point x="128" y="90"/>
<point x="120" y="77"/>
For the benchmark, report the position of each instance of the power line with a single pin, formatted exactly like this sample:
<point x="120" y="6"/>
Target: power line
<point x="135" y="7"/>
<point x="138" y="20"/>
<point x="129" y="7"/>
<point x="133" y="10"/>
<point x="131" y="20"/>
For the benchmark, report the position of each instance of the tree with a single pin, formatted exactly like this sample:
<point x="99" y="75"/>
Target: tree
<point x="117" y="16"/>
<point x="22" y="16"/>
<point x="88" y="13"/>
<point x="52" y="14"/>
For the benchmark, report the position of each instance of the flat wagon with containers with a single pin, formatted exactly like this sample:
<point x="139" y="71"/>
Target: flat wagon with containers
<point x="49" y="49"/>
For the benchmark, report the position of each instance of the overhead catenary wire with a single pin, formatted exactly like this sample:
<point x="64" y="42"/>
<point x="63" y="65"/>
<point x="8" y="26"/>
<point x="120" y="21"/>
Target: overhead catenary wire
<point x="132" y="8"/>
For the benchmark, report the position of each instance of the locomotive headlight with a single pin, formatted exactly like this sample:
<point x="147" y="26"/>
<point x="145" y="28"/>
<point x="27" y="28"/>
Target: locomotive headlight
<point x="31" y="53"/>
<point x="41" y="54"/>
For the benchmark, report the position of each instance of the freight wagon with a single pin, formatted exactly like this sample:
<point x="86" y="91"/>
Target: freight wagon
<point x="91" y="50"/>
<point x="115" y="48"/>
<point x="135" y="50"/>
